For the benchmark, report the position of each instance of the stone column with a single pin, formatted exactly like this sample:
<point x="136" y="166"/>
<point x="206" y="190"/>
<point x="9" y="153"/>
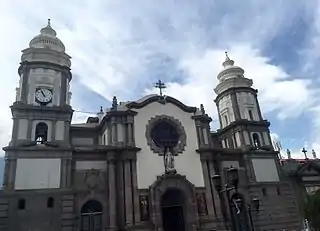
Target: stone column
<point x="258" y="107"/>
<point x="25" y="72"/>
<point x="114" y="131"/>
<point x="130" y="130"/>
<point x="6" y="173"/>
<point x="112" y="195"/>
<point x="11" y="173"/>
<point x="136" y="202"/>
<point x="235" y="106"/>
<point x="128" y="192"/>
<point x="209" y="196"/>
<point x="214" y="192"/>
<point x="199" y="134"/>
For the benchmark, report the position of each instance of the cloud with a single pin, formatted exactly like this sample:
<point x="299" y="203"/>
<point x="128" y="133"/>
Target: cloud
<point x="272" y="82"/>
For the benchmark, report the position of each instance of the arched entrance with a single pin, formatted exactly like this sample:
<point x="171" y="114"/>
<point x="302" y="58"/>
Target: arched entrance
<point x="172" y="209"/>
<point x="91" y="216"/>
<point x="173" y="198"/>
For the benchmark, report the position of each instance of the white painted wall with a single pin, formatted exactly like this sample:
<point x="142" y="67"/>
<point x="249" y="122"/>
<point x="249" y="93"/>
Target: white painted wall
<point x="22" y="128"/>
<point x="265" y="170"/>
<point x="60" y="130"/>
<point x="225" y="109"/>
<point x="34" y="125"/>
<point x="149" y="164"/>
<point x="41" y="77"/>
<point x="86" y="165"/>
<point x="246" y="102"/>
<point x="37" y="173"/>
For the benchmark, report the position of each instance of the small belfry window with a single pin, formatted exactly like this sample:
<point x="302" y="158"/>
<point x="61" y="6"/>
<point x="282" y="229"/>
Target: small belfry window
<point x="21" y="204"/>
<point x="50" y="202"/>
<point x="256" y="140"/>
<point x="41" y="135"/>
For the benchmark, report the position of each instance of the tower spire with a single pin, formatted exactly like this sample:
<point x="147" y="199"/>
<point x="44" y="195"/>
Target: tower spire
<point x="49" y="23"/>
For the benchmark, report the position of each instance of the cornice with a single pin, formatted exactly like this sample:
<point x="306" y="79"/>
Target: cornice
<point x="165" y="99"/>
<point x="235" y="90"/>
<point x="44" y="64"/>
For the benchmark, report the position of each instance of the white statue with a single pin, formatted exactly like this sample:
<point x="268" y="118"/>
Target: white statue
<point x="169" y="161"/>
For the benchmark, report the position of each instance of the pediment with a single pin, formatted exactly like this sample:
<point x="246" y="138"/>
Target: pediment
<point x="162" y="100"/>
<point x="309" y="169"/>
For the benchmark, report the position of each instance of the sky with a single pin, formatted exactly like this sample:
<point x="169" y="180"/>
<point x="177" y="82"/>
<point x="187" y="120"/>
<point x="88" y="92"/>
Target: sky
<point x="121" y="48"/>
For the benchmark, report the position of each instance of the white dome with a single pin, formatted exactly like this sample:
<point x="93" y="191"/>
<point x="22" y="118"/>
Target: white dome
<point x="229" y="70"/>
<point x="47" y="39"/>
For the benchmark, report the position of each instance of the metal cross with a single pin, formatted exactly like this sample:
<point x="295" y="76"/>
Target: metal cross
<point x="160" y="85"/>
<point x="305" y="153"/>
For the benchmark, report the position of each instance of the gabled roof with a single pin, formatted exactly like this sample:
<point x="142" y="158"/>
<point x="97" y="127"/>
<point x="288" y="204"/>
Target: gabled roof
<point x="308" y="168"/>
<point x="157" y="98"/>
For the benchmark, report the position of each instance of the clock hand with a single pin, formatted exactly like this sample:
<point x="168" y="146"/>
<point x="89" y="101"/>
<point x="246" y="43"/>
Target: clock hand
<point x="43" y="94"/>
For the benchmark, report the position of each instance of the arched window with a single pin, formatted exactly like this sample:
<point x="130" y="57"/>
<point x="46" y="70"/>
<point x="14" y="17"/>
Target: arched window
<point x="21" y="204"/>
<point x="41" y="135"/>
<point x="256" y="140"/>
<point x="50" y="202"/>
<point x="91" y="216"/>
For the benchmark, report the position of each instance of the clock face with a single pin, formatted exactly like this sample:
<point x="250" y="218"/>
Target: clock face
<point x="43" y="95"/>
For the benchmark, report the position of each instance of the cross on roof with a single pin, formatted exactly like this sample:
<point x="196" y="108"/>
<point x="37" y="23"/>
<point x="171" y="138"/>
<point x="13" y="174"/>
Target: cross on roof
<point x="160" y="85"/>
<point x="305" y="153"/>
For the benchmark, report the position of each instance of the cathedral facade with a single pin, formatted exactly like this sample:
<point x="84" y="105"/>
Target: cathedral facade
<point x="150" y="164"/>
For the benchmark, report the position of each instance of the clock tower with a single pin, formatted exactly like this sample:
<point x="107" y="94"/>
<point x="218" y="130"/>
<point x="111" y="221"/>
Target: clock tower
<point x="41" y="116"/>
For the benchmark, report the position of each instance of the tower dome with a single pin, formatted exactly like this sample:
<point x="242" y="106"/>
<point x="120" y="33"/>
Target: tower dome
<point x="47" y="39"/>
<point x="229" y="70"/>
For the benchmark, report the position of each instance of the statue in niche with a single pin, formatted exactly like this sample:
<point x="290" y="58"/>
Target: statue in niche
<point x="201" y="202"/>
<point x="169" y="161"/>
<point x="144" y="208"/>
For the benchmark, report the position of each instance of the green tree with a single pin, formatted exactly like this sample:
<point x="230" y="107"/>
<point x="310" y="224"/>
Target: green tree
<point x="312" y="210"/>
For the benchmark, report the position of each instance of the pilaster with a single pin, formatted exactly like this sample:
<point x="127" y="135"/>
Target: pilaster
<point x="112" y="195"/>
<point x="25" y="73"/>
<point x="235" y="105"/>
<point x="128" y="192"/>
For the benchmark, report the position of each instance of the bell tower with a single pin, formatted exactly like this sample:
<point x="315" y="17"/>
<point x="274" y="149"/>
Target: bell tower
<point x="241" y="122"/>
<point x="41" y="115"/>
<point x="42" y="111"/>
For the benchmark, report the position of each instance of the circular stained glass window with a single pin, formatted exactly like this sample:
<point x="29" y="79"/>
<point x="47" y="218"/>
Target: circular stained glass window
<point x="163" y="134"/>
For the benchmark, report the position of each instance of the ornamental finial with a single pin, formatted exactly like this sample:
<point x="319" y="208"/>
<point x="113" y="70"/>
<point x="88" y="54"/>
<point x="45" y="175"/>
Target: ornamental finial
<point x="228" y="61"/>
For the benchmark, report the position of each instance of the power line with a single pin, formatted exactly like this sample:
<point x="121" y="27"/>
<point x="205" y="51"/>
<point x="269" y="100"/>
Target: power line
<point x="85" y="112"/>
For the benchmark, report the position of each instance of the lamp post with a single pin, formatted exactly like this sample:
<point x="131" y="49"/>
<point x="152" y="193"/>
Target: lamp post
<point x="232" y="184"/>
<point x="256" y="205"/>
<point x="233" y="180"/>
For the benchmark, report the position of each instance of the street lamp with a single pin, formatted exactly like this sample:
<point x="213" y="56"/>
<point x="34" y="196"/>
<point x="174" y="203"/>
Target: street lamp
<point x="232" y="184"/>
<point x="255" y="203"/>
